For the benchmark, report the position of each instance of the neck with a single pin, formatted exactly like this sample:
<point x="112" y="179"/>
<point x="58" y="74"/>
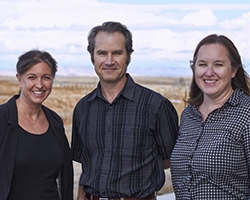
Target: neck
<point x="210" y="104"/>
<point x="110" y="93"/>
<point x="31" y="114"/>
<point x="111" y="90"/>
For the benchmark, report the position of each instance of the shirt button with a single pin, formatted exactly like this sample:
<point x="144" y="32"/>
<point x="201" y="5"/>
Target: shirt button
<point x="104" y="194"/>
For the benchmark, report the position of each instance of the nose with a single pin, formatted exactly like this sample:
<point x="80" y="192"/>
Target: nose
<point x="39" y="83"/>
<point x="210" y="71"/>
<point x="109" y="60"/>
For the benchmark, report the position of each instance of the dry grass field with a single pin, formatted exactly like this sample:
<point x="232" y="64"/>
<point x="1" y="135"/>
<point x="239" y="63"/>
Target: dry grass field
<point x="68" y="90"/>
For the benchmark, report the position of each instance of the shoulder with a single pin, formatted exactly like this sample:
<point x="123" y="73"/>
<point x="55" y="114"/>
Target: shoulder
<point x="51" y="114"/>
<point x="84" y="100"/>
<point x="239" y="100"/>
<point x="245" y="98"/>
<point x="190" y="112"/>
<point x="150" y="94"/>
<point x="147" y="90"/>
<point x="3" y="108"/>
<point x="8" y="114"/>
<point x="3" y="112"/>
<point x="153" y="100"/>
<point x="8" y="106"/>
<point x="243" y="106"/>
<point x="139" y="90"/>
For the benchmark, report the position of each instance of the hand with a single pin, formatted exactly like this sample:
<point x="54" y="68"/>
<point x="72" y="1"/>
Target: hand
<point x="81" y="193"/>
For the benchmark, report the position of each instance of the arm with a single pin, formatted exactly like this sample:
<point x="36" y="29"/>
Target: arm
<point x="166" y="163"/>
<point x="76" y="148"/>
<point x="166" y="130"/>
<point x="81" y="193"/>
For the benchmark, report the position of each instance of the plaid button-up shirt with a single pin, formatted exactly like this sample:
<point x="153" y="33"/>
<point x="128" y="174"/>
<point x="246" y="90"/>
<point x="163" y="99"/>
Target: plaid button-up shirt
<point x="121" y="145"/>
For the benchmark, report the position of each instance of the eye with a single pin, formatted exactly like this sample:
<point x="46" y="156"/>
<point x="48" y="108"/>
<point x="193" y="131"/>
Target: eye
<point x="118" y="52"/>
<point x="202" y="64"/>
<point x="100" y="53"/>
<point x="31" y="77"/>
<point x="47" y="77"/>
<point x="218" y="64"/>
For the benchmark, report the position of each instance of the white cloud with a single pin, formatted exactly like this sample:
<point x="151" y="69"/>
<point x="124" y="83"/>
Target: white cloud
<point x="203" y="17"/>
<point x="241" y="22"/>
<point x="162" y="33"/>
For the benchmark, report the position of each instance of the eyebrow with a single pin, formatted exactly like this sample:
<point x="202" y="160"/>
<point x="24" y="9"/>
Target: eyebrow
<point x="104" y="51"/>
<point x="100" y="51"/>
<point x="33" y="74"/>
<point x="118" y="51"/>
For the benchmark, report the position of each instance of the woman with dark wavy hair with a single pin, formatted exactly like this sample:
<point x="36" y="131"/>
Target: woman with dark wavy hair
<point x="211" y="159"/>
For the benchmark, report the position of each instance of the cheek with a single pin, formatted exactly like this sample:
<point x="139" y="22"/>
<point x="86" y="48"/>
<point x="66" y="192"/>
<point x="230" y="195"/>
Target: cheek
<point x="24" y="84"/>
<point x="199" y="71"/>
<point x="49" y="84"/>
<point x="197" y="74"/>
<point x="123" y="62"/>
<point x="98" y="62"/>
<point x="96" y="68"/>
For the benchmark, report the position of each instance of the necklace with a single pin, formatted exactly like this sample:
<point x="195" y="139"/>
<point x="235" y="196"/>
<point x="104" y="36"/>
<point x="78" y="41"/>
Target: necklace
<point x="26" y="115"/>
<point x="29" y="118"/>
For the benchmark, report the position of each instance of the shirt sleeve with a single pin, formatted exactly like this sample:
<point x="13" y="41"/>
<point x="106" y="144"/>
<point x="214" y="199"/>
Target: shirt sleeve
<point x="246" y="143"/>
<point x="167" y="129"/>
<point x="76" y="142"/>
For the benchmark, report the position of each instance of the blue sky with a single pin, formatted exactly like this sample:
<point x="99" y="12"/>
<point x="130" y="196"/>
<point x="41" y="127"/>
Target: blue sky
<point x="165" y="33"/>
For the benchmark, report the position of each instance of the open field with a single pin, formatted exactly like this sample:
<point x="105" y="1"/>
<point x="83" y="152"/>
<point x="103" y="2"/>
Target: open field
<point x="67" y="91"/>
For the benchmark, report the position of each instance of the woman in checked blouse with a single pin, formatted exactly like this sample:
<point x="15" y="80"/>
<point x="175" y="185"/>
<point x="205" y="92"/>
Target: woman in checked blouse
<point x="211" y="159"/>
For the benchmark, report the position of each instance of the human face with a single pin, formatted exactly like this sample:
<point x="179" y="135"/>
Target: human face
<point x="110" y="57"/>
<point x="36" y="83"/>
<point x="213" y="71"/>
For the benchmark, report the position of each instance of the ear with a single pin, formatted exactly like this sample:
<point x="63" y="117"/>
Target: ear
<point x="18" y="79"/>
<point x="92" y="58"/>
<point x="234" y="73"/>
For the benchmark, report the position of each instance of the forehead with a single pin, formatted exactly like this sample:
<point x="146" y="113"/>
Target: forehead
<point x="39" y="68"/>
<point x="109" y="40"/>
<point x="212" y="51"/>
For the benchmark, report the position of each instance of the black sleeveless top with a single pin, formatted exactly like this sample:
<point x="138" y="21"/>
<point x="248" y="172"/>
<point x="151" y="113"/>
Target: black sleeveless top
<point x="38" y="161"/>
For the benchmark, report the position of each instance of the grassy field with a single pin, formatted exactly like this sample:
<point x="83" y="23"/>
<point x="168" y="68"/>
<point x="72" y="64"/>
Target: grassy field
<point x="68" y="90"/>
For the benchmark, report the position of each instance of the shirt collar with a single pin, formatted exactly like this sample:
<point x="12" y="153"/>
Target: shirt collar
<point x="235" y="98"/>
<point x="128" y="91"/>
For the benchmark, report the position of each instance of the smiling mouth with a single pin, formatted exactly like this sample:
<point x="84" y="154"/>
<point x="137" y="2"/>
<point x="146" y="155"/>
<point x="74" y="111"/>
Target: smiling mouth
<point x="108" y="69"/>
<point x="38" y="92"/>
<point x="209" y="81"/>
